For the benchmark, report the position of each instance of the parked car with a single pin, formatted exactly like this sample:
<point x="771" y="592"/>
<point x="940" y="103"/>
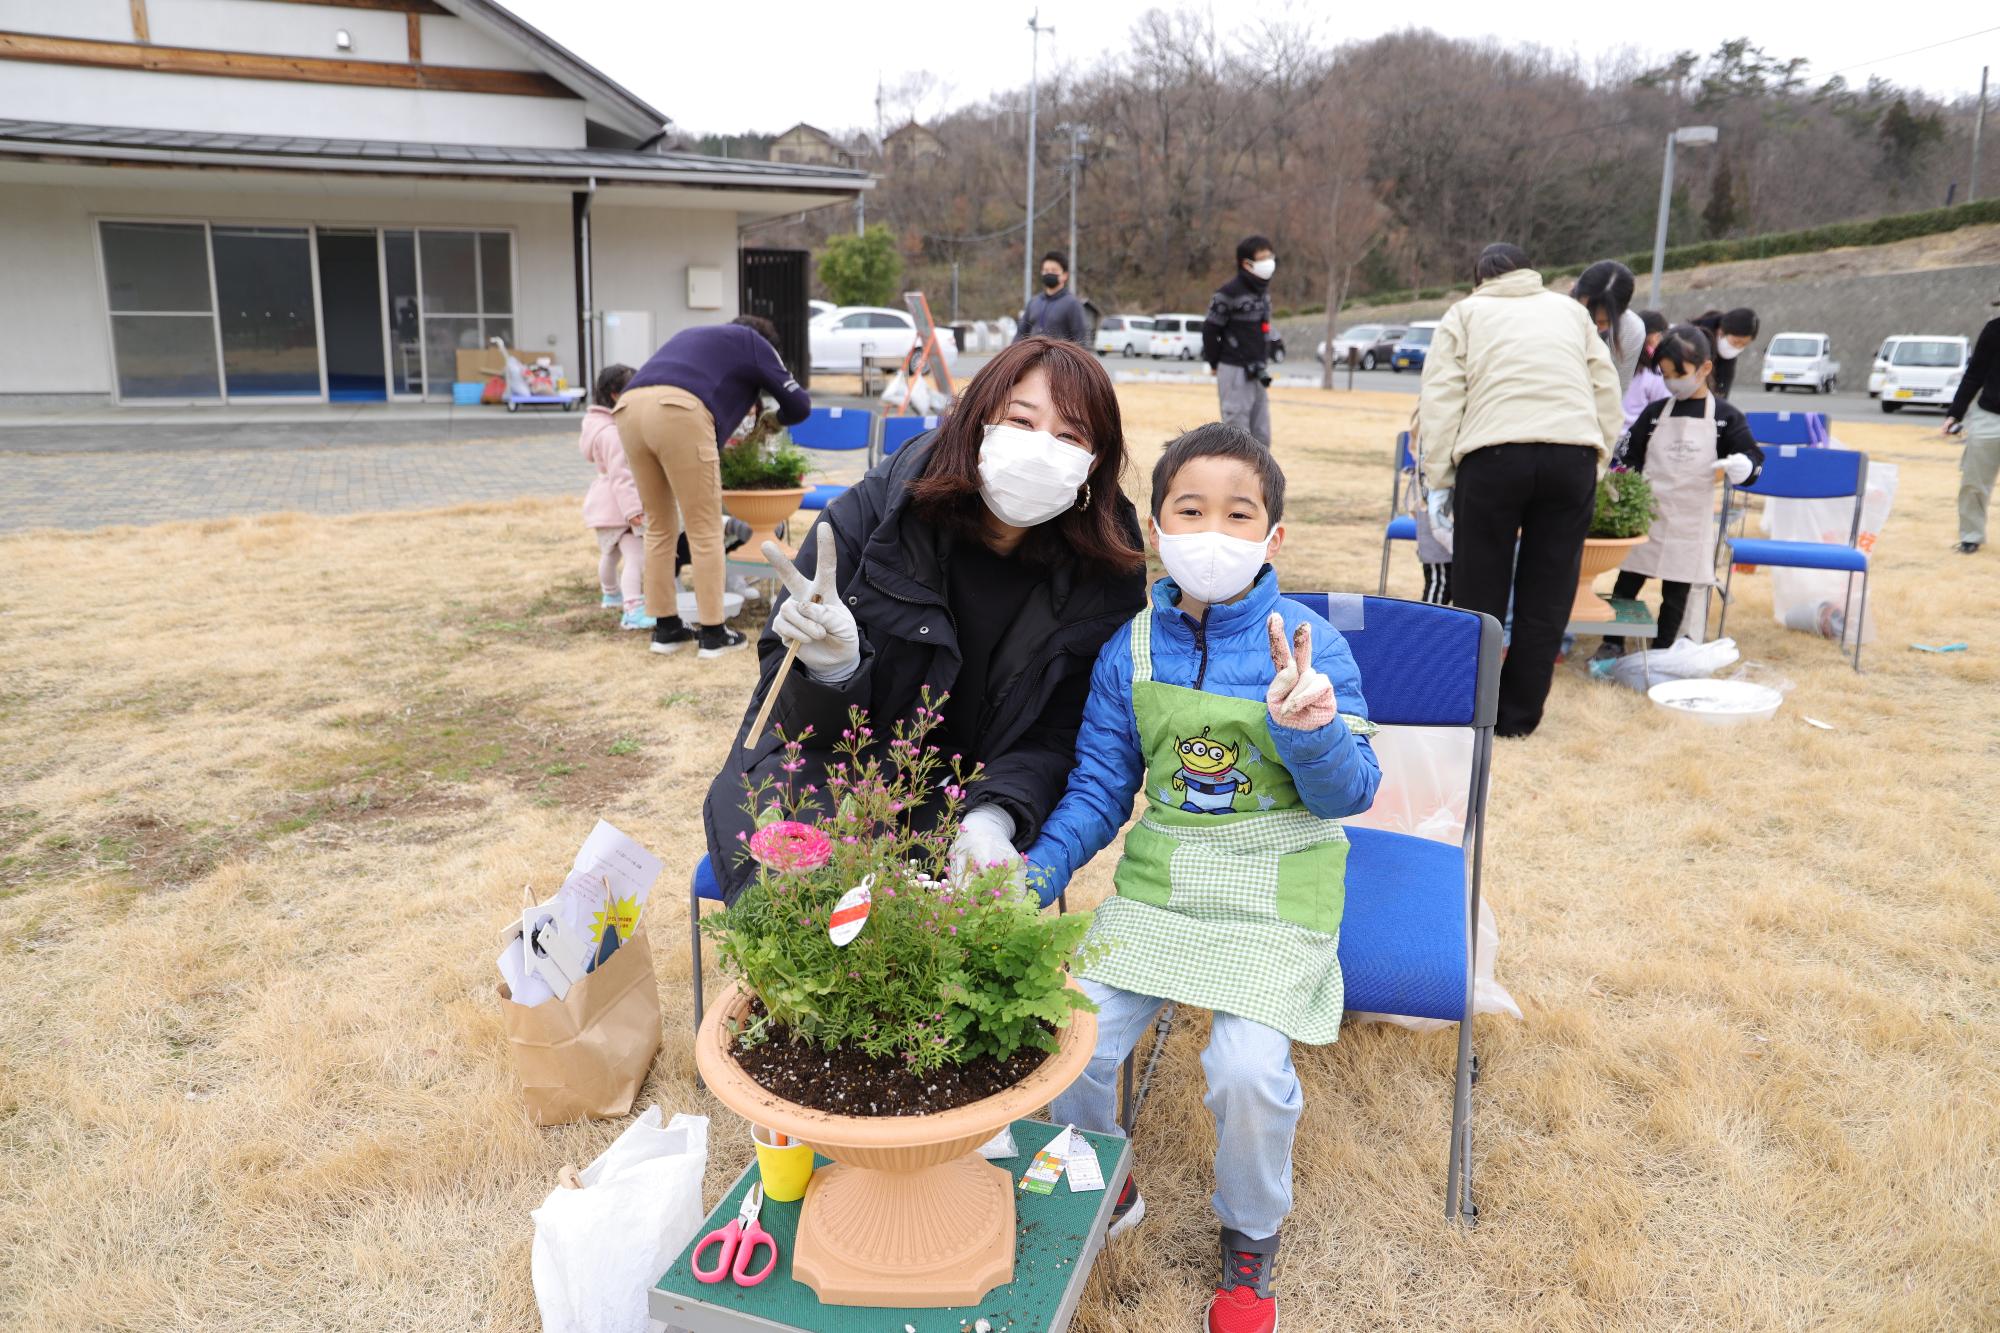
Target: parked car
<point x="1924" y="371"/>
<point x="1128" y="335"/>
<point x="816" y="308"/>
<point x="1374" y="342"/>
<point x="1801" y="360"/>
<point x="1413" y="346"/>
<point x="1176" y="336"/>
<point x="839" y="338"/>
<point x="1879" y="371"/>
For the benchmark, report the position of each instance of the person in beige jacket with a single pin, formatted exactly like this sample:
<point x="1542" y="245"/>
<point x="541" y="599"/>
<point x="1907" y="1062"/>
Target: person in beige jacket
<point x="1519" y="409"/>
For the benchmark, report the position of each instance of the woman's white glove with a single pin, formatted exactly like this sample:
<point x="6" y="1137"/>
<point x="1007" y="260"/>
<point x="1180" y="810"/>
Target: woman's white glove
<point x="824" y="630"/>
<point x="1437" y="504"/>
<point x="1736" y="467"/>
<point x="985" y="838"/>
<point x="1301" y="697"/>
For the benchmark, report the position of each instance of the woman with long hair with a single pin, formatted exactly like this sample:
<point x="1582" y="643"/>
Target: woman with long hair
<point x="1605" y="290"/>
<point x="988" y="560"/>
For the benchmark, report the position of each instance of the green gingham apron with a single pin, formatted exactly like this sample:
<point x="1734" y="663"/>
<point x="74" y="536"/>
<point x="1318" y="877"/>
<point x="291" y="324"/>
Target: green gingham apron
<point x="1230" y="890"/>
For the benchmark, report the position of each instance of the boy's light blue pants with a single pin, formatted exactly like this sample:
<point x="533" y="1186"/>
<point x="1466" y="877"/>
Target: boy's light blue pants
<point x="1253" y="1093"/>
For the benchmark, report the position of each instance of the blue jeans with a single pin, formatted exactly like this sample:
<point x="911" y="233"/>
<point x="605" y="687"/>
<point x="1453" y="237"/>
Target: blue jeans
<point x="1253" y="1093"/>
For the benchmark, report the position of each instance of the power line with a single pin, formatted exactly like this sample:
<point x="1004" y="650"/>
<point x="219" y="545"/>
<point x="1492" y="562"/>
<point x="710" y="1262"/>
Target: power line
<point x="1917" y="51"/>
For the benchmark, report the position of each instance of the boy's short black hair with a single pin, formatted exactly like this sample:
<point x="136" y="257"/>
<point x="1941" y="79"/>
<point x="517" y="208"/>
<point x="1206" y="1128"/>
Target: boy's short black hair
<point x="760" y="326"/>
<point x="1248" y="248"/>
<point x="1219" y="439"/>
<point x="611" y="382"/>
<point x="1062" y="260"/>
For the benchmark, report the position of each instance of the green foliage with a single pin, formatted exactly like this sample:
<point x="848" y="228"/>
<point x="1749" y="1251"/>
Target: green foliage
<point x="943" y="971"/>
<point x="861" y="269"/>
<point x="764" y="459"/>
<point x="1625" y="506"/>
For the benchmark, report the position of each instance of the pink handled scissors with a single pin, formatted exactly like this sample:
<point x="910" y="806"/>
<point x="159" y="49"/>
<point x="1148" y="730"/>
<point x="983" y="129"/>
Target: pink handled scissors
<point x="739" y="1240"/>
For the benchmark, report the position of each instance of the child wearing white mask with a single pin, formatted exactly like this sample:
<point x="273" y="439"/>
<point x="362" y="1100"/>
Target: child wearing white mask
<point x="1240" y="715"/>
<point x="1680" y="443"/>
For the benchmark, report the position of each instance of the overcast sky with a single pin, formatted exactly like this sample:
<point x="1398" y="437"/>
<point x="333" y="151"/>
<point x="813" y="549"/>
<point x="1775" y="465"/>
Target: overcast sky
<point x="766" y="64"/>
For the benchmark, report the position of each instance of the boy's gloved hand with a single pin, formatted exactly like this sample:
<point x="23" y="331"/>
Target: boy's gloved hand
<point x="1437" y="507"/>
<point x="829" y="644"/>
<point x="1300" y="698"/>
<point x="1736" y="467"/>
<point x="985" y="837"/>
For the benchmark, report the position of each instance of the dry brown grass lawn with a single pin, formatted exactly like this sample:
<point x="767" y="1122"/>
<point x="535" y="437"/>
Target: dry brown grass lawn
<point x="267" y="787"/>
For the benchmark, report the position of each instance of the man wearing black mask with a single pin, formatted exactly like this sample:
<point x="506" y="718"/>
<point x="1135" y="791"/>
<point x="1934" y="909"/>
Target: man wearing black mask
<point x="1236" y="339"/>
<point x="1054" y="311"/>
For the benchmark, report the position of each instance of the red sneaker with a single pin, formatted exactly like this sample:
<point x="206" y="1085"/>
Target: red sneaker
<point x="1243" y="1303"/>
<point x="1125" y="1214"/>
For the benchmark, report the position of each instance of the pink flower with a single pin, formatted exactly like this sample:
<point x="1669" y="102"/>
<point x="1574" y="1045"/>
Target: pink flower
<point x="790" y="845"/>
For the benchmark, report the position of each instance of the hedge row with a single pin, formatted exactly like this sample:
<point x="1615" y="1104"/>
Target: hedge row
<point x="1838" y="235"/>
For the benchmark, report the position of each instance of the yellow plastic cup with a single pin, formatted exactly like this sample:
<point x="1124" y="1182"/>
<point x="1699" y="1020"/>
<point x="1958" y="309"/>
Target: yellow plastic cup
<point x="785" y="1170"/>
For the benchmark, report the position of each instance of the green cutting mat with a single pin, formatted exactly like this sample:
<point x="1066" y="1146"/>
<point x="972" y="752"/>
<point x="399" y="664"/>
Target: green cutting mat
<point x="1051" y="1233"/>
<point x="1627" y="613"/>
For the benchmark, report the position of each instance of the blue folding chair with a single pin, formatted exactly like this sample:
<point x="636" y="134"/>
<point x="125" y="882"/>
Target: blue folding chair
<point x="1409" y="928"/>
<point x="1801" y="472"/>
<point x="1402" y="525"/>
<point x="899" y="431"/>
<point x="833" y="429"/>
<point x="1769" y="428"/>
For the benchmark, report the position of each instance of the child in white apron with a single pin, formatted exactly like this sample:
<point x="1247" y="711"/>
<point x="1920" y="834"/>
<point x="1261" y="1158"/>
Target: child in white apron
<point x="1680" y="444"/>
<point x="1240" y="714"/>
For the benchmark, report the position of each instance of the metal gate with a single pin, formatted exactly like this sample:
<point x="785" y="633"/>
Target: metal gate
<point x="772" y="283"/>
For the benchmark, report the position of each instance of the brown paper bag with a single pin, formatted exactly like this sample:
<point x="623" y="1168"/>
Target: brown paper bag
<point x="588" y="1054"/>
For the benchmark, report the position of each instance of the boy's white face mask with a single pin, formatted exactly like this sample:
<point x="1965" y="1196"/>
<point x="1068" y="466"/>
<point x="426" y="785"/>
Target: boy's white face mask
<point x="1213" y="566"/>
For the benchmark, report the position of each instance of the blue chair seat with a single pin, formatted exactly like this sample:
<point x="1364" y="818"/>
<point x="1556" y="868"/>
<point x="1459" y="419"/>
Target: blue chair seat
<point x="1798" y="555"/>
<point x="705" y="883"/>
<point x="1402" y="528"/>
<point x="819" y="497"/>
<point x="1402" y="935"/>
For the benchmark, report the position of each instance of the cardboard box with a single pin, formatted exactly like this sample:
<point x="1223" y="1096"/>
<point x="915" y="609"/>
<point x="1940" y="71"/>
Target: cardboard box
<point x="483" y="363"/>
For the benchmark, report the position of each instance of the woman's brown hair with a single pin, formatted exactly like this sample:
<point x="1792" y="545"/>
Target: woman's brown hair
<point x="948" y="492"/>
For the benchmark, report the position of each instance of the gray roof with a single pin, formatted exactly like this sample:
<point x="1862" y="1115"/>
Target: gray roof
<point x="43" y="138"/>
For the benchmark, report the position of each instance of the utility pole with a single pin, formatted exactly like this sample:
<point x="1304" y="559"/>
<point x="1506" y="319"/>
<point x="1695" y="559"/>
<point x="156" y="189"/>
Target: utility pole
<point x="1689" y="135"/>
<point x="1035" y="28"/>
<point x="1978" y="133"/>
<point x="1077" y="134"/>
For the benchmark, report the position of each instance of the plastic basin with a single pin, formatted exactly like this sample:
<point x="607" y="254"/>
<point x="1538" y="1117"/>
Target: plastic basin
<point x="1720" y="703"/>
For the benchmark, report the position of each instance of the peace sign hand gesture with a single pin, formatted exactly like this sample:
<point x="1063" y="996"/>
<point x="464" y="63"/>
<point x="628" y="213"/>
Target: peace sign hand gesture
<point x="813" y="617"/>
<point x="1300" y="698"/>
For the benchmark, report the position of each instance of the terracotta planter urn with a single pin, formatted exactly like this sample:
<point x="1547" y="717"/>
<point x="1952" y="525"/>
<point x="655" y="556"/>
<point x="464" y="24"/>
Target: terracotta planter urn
<point x="1600" y="555"/>
<point x="764" y="510"/>
<point x="910" y="1214"/>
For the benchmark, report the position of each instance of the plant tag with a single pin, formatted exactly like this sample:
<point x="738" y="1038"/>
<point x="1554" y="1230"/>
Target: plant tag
<point x="850" y="914"/>
<point x="559" y="955"/>
<point x="1047" y="1168"/>
<point x="1085" y="1174"/>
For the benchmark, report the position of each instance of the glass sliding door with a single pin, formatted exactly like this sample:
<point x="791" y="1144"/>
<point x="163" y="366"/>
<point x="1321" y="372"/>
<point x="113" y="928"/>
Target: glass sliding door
<point x="264" y="297"/>
<point x="467" y="279"/>
<point x="405" y="310"/>
<point x="350" y="311"/>
<point x="156" y="281"/>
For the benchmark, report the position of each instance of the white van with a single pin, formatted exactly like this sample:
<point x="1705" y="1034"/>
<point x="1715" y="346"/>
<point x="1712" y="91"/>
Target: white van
<point x="1880" y="370"/>
<point x="1128" y="335"/>
<point x="1176" y="336"/>
<point x="1795" y="360"/>
<point x="1924" y="371"/>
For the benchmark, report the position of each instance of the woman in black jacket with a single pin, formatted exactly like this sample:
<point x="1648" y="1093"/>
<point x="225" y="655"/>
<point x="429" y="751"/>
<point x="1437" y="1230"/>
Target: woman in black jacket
<point x="1729" y="332"/>
<point x="988" y="560"/>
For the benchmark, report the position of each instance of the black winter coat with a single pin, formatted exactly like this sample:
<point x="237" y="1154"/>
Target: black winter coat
<point x="892" y="578"/>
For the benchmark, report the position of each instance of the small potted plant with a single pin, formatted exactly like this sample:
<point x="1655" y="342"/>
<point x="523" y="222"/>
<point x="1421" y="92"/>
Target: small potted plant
<point x="899" y="1047"/>
<point x="1623" y="515"/>
<point x="763" y="475"/>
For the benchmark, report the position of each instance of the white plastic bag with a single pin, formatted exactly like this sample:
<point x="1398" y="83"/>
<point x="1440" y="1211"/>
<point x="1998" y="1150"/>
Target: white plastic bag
<point x="1685" y="660"/>
<point x="598" y="1249"/>
<point x="1816" y="600"/>
<point x="517" y="374"/>
<point x="917" y="395"/>
<point x="1426" y="781"/>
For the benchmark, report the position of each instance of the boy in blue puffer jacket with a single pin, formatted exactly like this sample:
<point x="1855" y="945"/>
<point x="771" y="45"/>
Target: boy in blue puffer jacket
<point x="1240" y="713"/>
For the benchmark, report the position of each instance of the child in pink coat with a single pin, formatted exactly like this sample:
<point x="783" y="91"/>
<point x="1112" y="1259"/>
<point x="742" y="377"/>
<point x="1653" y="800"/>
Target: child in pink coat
<point x="612" y="507"/>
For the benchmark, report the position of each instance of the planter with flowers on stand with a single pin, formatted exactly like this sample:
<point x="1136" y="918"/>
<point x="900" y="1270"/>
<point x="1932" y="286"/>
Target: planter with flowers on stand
<point x="763" y="476"/>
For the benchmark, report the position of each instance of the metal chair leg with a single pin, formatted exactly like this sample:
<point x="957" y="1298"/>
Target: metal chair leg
<point x="694" y="949"/>
<point x="1458" y="1205"/>
<point x="1728" y="581"/>
<point x="1382" y="585"/>
<point x="1860" y="619"/>
<point x="1126" y="1112"/>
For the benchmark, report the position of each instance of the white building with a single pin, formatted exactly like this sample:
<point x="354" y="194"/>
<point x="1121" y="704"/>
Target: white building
<point x="206" y="200"/>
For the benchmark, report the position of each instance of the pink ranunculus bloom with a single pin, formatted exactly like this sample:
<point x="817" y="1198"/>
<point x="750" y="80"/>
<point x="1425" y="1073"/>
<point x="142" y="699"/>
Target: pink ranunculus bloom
<point x="790" y="845"/>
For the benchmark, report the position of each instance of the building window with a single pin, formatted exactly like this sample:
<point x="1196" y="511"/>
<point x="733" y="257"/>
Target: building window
<point x="162" y="310"/>
<point x="468" y="292"/>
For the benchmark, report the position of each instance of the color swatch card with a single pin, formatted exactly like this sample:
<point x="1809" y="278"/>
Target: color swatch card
<point x="1047" y="1168"/>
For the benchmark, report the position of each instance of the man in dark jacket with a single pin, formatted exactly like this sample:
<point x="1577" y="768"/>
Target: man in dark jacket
<point x="893" y="575"/>
<point x="1054" y="310"/>
<point x="1236" y="339"/>
<point x="1977" y="406"/>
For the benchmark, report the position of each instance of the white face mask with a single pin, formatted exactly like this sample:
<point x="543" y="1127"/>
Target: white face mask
<point x="1727" y="350"/>
<point x="1028" y="477"/>
<point x="1262" y="269"/>
<point x="1682" y="386"/>
<point x="1213" y="566"/>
